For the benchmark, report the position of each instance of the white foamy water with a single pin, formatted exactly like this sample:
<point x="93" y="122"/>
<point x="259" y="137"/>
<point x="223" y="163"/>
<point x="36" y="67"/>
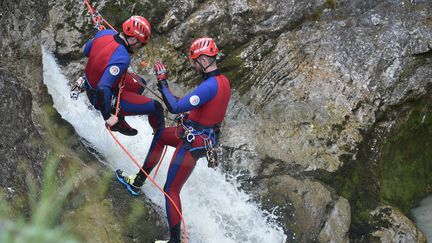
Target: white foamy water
<point x="214" y="209"/>
<point x="423" y="217"/>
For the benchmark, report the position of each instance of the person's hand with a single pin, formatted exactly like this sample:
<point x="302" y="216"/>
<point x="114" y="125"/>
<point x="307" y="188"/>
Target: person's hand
<point x="111" y="121"/>
<point x="160" y="71"/>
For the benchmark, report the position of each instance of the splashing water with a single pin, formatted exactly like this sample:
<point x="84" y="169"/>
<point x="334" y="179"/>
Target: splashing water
<point x="214" y="209"/>
<point x="423" y="217"/>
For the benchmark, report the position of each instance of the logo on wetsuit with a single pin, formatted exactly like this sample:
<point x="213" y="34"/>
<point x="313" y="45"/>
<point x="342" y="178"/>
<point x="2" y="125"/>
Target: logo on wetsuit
<point x="114" y="70"/>
<point x="194" y="100"/>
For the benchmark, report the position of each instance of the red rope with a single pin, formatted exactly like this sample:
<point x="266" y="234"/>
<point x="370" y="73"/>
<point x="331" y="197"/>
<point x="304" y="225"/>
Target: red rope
<point x="121" y="86"/>
<point x="160" y="162"/>
<point x="154" y="183"/>
<point x="97" y="19"/>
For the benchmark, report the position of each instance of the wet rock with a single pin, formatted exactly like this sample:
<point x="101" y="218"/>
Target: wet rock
<point x="395" y="226"/>
<point x="337" y="225"/>
<point x="307" y="201"/>
<point x="21" y="151"/>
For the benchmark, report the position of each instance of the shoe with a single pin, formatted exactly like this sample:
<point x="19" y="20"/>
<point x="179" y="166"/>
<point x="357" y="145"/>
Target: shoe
<point x="124" y="128"/>
<point x="128" y="181"/>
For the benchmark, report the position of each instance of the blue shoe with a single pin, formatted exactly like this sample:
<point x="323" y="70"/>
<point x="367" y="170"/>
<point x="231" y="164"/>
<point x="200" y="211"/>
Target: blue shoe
<point x="128" y="181"/>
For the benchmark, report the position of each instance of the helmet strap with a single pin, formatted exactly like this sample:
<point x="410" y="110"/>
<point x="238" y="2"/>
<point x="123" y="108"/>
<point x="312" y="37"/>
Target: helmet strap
<point x="202" y="66"/>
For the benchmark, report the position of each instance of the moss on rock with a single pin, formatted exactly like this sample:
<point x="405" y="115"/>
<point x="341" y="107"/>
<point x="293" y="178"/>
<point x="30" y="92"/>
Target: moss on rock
<point x="405" y="166"/>
<point x="393" y="165"/>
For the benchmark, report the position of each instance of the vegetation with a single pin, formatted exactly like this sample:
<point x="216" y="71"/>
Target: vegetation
<point x="405" y="165"/>
<point x="46" y="205"/>
<point x="393" y="166"/>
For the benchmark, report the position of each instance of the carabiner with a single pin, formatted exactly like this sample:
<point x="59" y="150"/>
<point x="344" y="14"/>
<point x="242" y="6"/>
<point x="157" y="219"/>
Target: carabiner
<point x="190" y="137"/>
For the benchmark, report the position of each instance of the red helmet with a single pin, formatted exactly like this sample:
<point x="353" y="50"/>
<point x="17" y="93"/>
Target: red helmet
<point x="138" y="27"/>
<point x="203" y="46"/>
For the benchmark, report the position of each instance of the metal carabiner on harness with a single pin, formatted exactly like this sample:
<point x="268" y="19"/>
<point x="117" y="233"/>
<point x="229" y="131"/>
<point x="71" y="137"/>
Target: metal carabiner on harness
<point x="77" y="88"/>
<point x="190" y="137"/>
<point x="211" y="154"/>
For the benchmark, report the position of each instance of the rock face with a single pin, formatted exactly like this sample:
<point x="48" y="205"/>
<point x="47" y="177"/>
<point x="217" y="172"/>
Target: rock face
<point x="309" y="78"/>
<point x="32" y="131"/>
<point x="22" y="154"/>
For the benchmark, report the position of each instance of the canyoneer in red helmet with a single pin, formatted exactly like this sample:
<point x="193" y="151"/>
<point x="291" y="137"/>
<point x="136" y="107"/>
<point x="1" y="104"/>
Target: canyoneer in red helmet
<point x="203" y="111"/>
<point x="106" y="69"/>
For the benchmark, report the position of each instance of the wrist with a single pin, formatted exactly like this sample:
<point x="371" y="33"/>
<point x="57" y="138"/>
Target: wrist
<point x="106" y="116"/>
<point x="162" y="76"/>
<point x="162" y="84"/>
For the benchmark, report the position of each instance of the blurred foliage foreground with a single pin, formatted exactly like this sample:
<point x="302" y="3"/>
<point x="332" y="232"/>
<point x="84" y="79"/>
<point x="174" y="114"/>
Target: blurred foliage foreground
<point x="40" y="215"/>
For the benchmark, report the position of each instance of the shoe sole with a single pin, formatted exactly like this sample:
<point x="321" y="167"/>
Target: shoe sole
<point x="128" y="187"/>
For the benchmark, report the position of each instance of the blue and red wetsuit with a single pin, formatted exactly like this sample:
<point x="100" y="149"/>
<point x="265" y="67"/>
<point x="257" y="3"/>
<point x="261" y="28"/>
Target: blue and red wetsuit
<point x="108" y="61"/>
<point x="207" y="105"/>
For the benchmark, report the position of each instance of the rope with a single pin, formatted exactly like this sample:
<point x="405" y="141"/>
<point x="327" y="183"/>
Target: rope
<point x="138" y="165"/>
<point x="160" y="162"/>
<point x="145" y="86"/>
<point x="154" y="183"/>
<point x="99" y="22"/>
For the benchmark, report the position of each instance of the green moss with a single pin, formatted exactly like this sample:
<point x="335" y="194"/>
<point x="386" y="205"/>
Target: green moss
<point x="331" y="4"/>
<point x="393" y="166"/>
<point x="233" y="67"/>
<point x="405" y="167"/>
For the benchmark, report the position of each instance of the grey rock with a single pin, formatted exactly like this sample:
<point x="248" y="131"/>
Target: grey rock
<point x="397" y="227"/>
<point x="337" y="225"/>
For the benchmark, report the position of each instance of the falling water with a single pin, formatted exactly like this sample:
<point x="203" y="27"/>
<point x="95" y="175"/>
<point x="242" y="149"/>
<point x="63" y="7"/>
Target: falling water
<point x="213" y="208"/>
<point x="423" y="217"/>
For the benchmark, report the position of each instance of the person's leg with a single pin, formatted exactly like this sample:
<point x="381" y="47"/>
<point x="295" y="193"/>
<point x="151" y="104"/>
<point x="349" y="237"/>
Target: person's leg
<point x="179" y="171"/>
<point x="165" y="137"/>
<point x="134" y="104"/>
<point x="132" y="83"/>
<point x="161" y="138"/>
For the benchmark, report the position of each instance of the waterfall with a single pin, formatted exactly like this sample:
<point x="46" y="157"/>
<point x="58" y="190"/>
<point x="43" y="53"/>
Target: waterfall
<point x="423" y="217"/>
<point x="213" y="208"/>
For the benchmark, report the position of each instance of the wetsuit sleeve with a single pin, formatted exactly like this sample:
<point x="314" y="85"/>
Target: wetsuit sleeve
<point x="87" y="47"/>
<point x="201" y="95"/>
<point x="104" y="88"/>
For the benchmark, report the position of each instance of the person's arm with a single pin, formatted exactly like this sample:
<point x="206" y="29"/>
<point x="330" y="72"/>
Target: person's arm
<point x="201" y="95"/>
<point x="104" y="88"/>
<point x="198" y="97"/>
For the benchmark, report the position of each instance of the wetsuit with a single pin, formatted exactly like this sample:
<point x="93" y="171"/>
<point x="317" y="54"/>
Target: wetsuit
<point x="108" y="61"/>
<point x="207" y="105"/>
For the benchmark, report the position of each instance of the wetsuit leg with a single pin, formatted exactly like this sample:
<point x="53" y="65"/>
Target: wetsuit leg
<point x="135" y="104"/>
<point x="161" y="138"/>
<point x="181" y="166"/>
<point x="131" y="85"/>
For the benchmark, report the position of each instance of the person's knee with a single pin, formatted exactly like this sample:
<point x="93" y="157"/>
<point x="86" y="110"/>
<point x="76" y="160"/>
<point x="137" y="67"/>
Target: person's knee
<point x="156" y="118"/>
<point x="158" y="108"/>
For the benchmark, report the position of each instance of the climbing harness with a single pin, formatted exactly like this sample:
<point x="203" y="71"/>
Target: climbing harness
<point x="208" y="134"/>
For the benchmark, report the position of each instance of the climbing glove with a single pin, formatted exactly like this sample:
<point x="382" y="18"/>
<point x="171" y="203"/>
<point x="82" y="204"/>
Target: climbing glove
<point x="161" y="71"/>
